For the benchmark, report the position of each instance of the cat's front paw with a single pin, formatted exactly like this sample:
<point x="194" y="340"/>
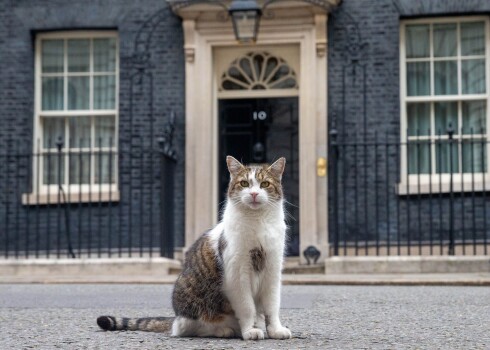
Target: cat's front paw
<point x="253" y="334"/>
<point x="279" y="332"/>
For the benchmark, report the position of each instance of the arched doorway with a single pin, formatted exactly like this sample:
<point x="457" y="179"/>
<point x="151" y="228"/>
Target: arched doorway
<point x="210" y="48"/>
<point x="261" y="128"/>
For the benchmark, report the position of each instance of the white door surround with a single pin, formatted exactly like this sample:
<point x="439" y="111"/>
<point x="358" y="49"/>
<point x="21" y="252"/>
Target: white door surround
<point x="298" y="27"/>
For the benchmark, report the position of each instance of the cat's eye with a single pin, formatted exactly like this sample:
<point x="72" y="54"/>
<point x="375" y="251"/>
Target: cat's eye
<point x="264" y="184"/>
<point x="244" y="183"/>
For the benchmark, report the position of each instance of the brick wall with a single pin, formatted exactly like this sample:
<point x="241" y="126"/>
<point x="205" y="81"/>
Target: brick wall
<point x="144" y="108"/>
<point x="363" y="94"/>
<point x="364" y="97"/>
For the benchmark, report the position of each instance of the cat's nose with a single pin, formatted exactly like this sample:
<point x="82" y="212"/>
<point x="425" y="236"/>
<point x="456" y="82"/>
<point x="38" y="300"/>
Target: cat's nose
<point x="254" y="195"/>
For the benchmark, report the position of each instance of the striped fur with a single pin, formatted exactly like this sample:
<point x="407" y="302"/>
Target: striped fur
<point x="231" y="274"/>
<point x="201" y="282"/>
<point x="257" y="257"/>
<point x="148" y="324"/>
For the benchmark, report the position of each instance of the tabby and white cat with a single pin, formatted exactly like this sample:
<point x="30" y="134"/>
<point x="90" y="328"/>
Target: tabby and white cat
<point x="231" y="278"/>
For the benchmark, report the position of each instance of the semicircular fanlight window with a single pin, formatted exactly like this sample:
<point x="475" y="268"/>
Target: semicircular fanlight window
<point x="258" y="71"/>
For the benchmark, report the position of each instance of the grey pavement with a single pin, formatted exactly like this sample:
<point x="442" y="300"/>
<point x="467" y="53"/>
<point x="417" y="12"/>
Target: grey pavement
<point x="57" y="316"/>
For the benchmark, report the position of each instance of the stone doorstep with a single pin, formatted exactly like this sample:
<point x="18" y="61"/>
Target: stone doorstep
<point x="407" y="264"/>
<point x="303" y="269"/>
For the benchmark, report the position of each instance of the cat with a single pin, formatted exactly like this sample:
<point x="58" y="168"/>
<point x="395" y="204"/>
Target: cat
<point x="231" y="278"/>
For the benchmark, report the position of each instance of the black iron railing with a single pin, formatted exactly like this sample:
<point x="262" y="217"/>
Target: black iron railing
<point x="427" y="195"/>
<point x="85" y="203"/>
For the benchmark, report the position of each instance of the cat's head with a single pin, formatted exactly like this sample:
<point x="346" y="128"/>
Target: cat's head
<point x="255" y="186"/>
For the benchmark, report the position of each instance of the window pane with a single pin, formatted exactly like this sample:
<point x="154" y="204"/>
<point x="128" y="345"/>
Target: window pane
<point x="258" y="62"/>
<point x="445" y="40"/>
<point x="229" y="85"/>
<point x="78" y="93"/>
<point x="474" y="155"/>
<point x="80" y="132"/>
<point x="104" y="92"/>
<point x="446" y="113"/>
<point x="417" y="41"/>
<point x="105" y="168"/>
<point x="271" y="65"/>
<point x="443" y="157"/>
<point x="282" y="84"/>
<point x="419" y="157"/>
<point x="79" y="55"/>
<point x="53" y="129"/>
<point x="474" y="117"/>
<point x="472" y="38"/>
<point x="52" y="94"/>
<point x="418" y="79"/>
<point x="445" y="78"/>
<point x="53" y="169"/>
<point x="418" y="115"/>
<point x="79" y="168"/>
<point x="104" y="55"/>
<point x="473" y="76"/>
<point x="52" y="56"/>
<point x="105" y="132"/>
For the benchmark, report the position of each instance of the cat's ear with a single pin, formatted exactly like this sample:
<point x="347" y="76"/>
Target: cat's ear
<point x="234" y="166"/>
<point x="277" y="168"/>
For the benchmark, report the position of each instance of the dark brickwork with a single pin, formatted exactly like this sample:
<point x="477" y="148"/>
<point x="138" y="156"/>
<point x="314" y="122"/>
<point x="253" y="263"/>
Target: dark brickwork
<point x="363" y="94"/>
<point x="364" y="103"/>
<point x="151" y="86"/>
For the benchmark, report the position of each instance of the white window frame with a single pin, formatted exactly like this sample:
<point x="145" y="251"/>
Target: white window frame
<point x="41" y="193"/>
<point x="437" y="183"/>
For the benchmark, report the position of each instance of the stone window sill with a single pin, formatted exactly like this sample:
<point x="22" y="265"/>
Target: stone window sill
<point x="435" y="188"/>
<point x="72" y="198"/>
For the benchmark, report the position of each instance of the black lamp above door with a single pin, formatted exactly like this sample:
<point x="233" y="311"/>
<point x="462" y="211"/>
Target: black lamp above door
<point x="245" y="15"/>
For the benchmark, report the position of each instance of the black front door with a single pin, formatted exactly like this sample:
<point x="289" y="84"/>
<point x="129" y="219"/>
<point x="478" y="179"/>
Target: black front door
<point x="261" y="131"/>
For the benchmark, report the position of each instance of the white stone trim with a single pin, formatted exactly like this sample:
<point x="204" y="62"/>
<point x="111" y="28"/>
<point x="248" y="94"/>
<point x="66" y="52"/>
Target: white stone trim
<point x="112" y="195"/>
<point x="303" y="28"/>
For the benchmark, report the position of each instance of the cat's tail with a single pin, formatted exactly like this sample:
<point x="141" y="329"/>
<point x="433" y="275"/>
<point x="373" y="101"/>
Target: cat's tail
<point x="148" y="324"/>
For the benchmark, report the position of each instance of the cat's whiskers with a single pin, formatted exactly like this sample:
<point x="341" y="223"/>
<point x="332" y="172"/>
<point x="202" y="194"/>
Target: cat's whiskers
<point x="291" y="204"/>
<point x="287" y="214"/>
<point x="274" y="205"/>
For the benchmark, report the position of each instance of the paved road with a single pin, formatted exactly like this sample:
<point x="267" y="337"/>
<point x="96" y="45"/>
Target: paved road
<point x="320" y="317"/>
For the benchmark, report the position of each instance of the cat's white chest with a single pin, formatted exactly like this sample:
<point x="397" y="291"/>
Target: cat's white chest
<point x="254" y="251"/>
<point x="268" y="236"/>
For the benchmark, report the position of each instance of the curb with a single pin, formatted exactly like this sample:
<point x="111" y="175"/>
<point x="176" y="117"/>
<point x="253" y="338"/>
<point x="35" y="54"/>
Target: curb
<point x="395" y="280"/>
<point x="476" y="279"/>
